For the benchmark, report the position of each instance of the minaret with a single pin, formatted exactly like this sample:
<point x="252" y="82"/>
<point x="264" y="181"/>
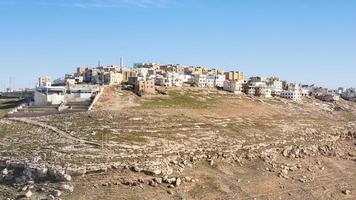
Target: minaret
<point x="121" y="61"/>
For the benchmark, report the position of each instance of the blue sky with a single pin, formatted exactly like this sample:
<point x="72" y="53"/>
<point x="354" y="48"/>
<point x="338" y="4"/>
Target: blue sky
<point x="308" y="41"/>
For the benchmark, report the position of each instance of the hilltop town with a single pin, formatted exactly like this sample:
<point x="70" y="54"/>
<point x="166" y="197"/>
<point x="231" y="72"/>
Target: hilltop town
<point x="77" y="90"/>
<point x="157" y="131"/>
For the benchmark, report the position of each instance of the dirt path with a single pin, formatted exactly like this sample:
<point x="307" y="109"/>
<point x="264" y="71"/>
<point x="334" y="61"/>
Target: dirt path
<point x="54" y="129"/>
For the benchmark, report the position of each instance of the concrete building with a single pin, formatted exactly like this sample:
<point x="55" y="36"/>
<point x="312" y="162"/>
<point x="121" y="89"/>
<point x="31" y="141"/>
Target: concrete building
<point x="292" y="94"/>
<point x="215" y="71"/>
<point x="199" y="80"/>
<point x="196" y="70"/>
<point x="154" y="66"/>
<point x="80" y="94"/>
<point x="113" y="78"/>
<point x="126" y="73"/>
<point x="70" y="81"/>
<point x="263" y="92"/>
<point x="142" y="85"/>
<point x="210" y="81"/>
<point x="235" y="76"/>
<point x="219" y="80"/>
<point x="329" y="97"/>
<point x="44" y="81"/>
<point x="49" y="95"/>
<point x="304" y="92"/>
<point x="232" y="86"/>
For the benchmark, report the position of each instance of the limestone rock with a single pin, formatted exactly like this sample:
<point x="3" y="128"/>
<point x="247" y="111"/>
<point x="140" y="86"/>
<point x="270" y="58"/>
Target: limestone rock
<point x="178" y="182"/>
<point x="67" y="188"/>
<point x="28" y="194"/>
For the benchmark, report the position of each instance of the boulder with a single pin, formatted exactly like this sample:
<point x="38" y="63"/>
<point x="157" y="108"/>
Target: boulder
<point x="346" y="192"/>
<point x="158" y="180"/>
<point x="28" y="194"/>
<point x="42" y="172"/>
<point x="56" y="193"/>
<point x="67" y="188"/>
<point x="178" y="182"/>
<point x="5" y="172"/>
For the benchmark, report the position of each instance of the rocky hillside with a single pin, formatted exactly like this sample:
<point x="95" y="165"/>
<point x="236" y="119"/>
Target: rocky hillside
<point x="187" y="144"/>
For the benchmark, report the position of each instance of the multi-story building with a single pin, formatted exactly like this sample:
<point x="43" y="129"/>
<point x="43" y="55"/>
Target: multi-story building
<point x="219" y="80"/>
<point x="113" y="78"/>
<point x="235" y="76"/>
<point x="199" y="80"/>
<point x="210" y="80"/>
<point x="232" y="86"/>
<point x="215" y="71"/>
<point x="142" y="85"/>
<point x="44" y="81"/>
<point x="291" y="94"/>
<point x="263" y="91"/>
<point x="126" y="73"/>
<point x="328" y="97"/>
<point x="154" y="66"/>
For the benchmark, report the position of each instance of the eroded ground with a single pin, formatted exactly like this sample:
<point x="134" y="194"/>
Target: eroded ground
<point x="219" y="145"/>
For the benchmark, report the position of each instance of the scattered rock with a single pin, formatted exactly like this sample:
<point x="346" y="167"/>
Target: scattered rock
<point x="152" y="183"/>
<point x="178" y="182"/>
<point x="346" y="192"/>
<point x="188" y="179"/>
<point x="28" y="194"/>
<point x="158" y="180"/>
<point x="67" y="188"/>
<point x="5" y="171"/>
<point x="56" y="193"/>
<point x="283" y="173"/>
<point x="67" y="177"/>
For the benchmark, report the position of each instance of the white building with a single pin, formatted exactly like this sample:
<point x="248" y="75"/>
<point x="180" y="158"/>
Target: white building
<point x="70" y="81"/>
<point x="263" y="92"/>
<point x="49" y="95"/>
<point x="219" y="80"/>
<point x="185" y="77"/>
<point x="304" y="92"/>
<point x="199" y="80"/>
<point x="142" y="72"/>
<point x="232" y="86"/>
<point x="210" y="80"/>
<point x="45" y="81"/>
<point x="276" y="92"/>
<point x="215" y="80"/>
<point x="292" y="94"/>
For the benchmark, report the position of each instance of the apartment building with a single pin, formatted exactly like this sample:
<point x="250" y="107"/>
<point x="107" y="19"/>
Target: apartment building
<point x="199" y="80"/>
<point x="142" y="85"/>
<point x="291" y="94"/>
<point x="232" y="86"/>
<point x="235" y="76"/>
<point x="44" y="81"/>
<point x="263" y="92"/>
<point x="210" y="81"/>
<point x="219" y="80"/>
<point x="215" y="71"/>
<point x="113" y="78"/>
